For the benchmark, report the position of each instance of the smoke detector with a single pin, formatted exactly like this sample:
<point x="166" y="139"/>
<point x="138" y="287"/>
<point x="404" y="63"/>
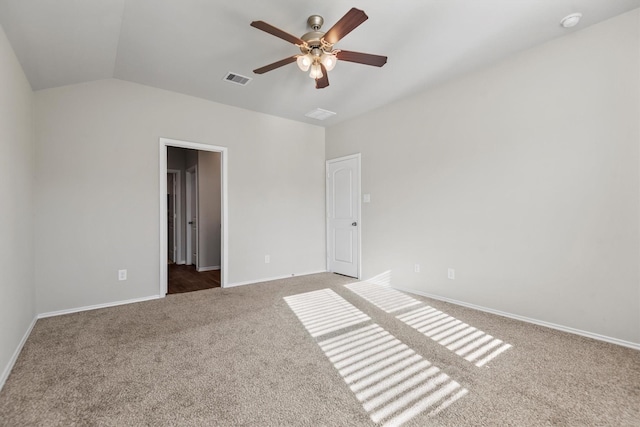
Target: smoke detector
<point x="571" y="20"/>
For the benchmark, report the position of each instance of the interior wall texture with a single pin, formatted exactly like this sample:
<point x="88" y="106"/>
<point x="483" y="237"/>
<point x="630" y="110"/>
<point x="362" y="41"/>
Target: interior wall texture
<point x="524" y="177"/>
<point x="97" y="190"/>
<point x="17" y="292"/>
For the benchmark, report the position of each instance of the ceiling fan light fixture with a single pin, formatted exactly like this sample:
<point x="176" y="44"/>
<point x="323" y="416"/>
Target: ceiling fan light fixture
<point x="316" y="47"/>
<point x="329" y="61"/>
<point x="304" y="62"/>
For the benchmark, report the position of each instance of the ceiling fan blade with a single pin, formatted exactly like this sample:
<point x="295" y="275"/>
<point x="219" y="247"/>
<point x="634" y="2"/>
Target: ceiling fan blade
<point x="349" y="22"/>
<point x="268" y="28"/>
<point x="323" y="81"/>
<point x="362" y="58"/>
<point x="275" y="65"/>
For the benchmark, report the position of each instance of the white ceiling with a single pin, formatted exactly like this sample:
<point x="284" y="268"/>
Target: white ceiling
<point x="188" y="46"/>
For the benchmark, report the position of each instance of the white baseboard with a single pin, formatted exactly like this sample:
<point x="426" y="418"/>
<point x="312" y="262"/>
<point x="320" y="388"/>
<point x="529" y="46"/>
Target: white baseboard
<point x="16" y="353"/>
<point x="269" y="279"/>
<point x="183" y="262"/>
<point x="214" y="267"/>
<point x="95" y="307"/>
<point x="635" y="346"/>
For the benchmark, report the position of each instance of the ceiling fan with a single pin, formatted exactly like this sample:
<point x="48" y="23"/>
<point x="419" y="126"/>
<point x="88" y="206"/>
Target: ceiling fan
<point x="316" y="47"/>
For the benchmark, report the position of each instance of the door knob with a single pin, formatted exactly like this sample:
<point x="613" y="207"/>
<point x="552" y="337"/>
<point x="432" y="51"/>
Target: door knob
<point x="354" y="223"/>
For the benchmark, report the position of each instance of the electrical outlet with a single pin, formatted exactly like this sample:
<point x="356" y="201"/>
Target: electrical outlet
<point x="267" y="259"/>
<point x="416" y="268"/>
<point x="122" y="274"/>
<point x="451" y="274"/>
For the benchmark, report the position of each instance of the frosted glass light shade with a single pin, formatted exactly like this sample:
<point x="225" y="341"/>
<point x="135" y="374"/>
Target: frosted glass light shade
<point x="329" y="61"/>
<point x="304" y="62"/>
<point x="316" y="71"/>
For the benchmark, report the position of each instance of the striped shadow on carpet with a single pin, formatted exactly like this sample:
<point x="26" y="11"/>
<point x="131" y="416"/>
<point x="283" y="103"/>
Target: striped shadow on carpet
<point x="322" y="312"/>
<point x="392" y="382"/>
<point x="466" y="341"/>
<point x="383" y="297"/>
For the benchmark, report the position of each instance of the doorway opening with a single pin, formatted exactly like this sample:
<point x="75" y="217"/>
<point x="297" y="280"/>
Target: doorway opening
<point x="193" y="216"/>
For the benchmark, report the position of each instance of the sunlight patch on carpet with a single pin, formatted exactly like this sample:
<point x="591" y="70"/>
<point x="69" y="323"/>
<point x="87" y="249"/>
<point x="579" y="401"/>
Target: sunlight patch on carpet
<point x="322" y="312"/>
<point x="384" y="298"/>
<point x="393" y="383"/>
<point x="466" y="341"/>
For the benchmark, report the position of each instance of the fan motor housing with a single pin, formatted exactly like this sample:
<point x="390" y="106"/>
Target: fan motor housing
<point x="312" y="38"/>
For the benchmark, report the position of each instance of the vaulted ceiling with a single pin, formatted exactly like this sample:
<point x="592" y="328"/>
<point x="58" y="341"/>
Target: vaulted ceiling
<point x="188" y="46"/>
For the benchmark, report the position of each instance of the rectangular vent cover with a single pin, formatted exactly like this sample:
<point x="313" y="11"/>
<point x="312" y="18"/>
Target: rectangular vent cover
<point x="237" y="79"/>
<point x="320" y="114"/>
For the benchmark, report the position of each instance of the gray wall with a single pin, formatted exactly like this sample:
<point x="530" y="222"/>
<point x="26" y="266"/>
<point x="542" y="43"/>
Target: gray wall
<point x="209" y="218"/>
<point x="524" y="177"/>
<point x="17" y="292"/>
<point x="176" y="158"/>
<point x="97" y="191"/>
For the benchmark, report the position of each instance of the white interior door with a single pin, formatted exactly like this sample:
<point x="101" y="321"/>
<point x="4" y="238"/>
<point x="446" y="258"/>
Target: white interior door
<point x="343" y="215"/>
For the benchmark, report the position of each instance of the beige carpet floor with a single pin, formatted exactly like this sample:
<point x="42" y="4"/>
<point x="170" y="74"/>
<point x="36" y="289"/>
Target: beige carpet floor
<point x="246" y="356"/>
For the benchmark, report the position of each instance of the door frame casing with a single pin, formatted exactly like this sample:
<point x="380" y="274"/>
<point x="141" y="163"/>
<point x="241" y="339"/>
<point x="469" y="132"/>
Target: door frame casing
<point x="177" y="224"/>
<point x="357" y="156"/>
<point x="224" y="239"/>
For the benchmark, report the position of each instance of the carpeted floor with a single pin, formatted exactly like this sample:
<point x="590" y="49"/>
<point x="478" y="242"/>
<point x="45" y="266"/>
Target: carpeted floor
<point x="248" y="356"/>
<point x="185" y="278"/>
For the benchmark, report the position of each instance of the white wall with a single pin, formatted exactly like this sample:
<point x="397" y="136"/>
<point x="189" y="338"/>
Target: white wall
<point x="17" y="292"/>
<point x="209" y="218"/>
<point x="97" y="189"/>
<point x="524" y="177"/>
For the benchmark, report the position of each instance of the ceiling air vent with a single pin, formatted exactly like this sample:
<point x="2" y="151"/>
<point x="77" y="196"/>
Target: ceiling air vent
<point x="320" y="114"/>
<point x="237" y="79"/>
